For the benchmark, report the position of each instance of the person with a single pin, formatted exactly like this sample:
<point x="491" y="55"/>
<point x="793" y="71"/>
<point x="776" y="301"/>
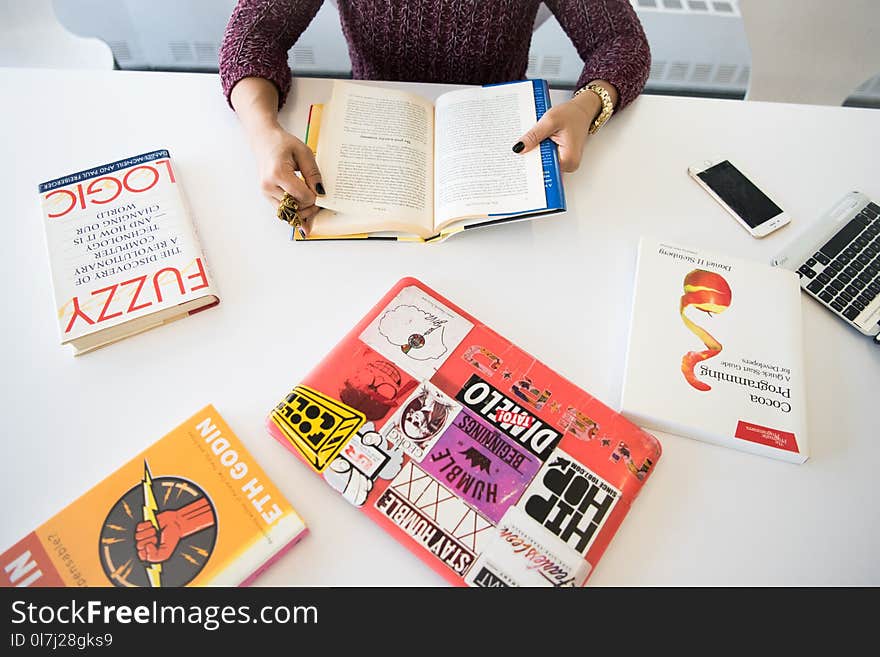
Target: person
<point x="451" y="41"/>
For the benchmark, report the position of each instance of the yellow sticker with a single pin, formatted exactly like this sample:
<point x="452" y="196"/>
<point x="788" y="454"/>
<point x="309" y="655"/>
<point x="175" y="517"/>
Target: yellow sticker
<point x="316" y="425"/>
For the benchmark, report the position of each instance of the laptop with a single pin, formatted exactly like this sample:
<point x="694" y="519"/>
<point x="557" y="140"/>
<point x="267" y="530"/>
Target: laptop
<point x="838" y="261"/>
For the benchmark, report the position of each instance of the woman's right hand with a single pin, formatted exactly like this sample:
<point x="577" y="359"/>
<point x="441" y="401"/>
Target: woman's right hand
<point x="279" y="154"/>
<point x="279" y="157"/>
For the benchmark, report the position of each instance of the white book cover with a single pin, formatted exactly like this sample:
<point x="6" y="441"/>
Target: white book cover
<point x="123" y="250"/>
<point x="715" y="351"/>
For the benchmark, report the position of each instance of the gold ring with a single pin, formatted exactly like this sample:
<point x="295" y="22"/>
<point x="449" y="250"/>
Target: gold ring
<point x="288" y="210"/>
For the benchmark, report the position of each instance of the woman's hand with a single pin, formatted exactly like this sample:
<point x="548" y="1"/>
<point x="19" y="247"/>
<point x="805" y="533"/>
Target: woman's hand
<point x="279" y="154"/>
<point x="279" y="157"/>
<point x="567" y="125"/>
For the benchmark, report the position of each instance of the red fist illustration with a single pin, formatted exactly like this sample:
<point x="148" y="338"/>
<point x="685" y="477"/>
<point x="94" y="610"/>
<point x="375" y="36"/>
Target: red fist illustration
<point x="153" y="547"/>
<point x="157" y="546"/>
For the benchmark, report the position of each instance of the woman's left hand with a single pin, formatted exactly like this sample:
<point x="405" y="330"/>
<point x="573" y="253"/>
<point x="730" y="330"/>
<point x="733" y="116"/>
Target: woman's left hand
<point x="568" y="126"/>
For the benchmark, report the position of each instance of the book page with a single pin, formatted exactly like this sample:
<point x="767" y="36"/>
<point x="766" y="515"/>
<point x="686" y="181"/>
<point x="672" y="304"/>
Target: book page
<point x="375" y="158"/>
<point x="329" y="223"/>
<point x="475" y="171"/>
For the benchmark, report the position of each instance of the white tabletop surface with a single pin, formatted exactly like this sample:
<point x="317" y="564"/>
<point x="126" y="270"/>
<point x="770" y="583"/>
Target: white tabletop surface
<point x="561" y="288"/>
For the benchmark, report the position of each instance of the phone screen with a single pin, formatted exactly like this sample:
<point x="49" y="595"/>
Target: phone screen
<point x="749" y="202"/>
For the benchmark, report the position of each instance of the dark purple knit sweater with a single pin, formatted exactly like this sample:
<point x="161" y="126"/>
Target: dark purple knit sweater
<point x="453" y="41"/>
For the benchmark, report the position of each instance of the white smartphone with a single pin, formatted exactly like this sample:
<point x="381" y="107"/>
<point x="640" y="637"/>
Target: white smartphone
<point x="733" y="190"/>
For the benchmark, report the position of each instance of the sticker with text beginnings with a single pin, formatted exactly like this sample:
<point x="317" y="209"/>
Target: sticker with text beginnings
<point x="416" y="332"/>
<point x="480" y="464"/>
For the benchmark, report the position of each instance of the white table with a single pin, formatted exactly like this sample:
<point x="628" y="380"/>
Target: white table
<point x="707" y="516"/>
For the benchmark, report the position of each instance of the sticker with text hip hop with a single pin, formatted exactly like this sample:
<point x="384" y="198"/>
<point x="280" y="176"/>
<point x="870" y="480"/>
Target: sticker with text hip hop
<point x="416" y="332"/>
<point x="421" y="420"/>
<point x="481" y="465"/>
<point x="316" y="425"/>
<point x="435" y="518"/>
<point x="367" y="457"/>
<point x="570" y="501"/>
<point x="522" y="553"/>
<point x="500" y="411"/>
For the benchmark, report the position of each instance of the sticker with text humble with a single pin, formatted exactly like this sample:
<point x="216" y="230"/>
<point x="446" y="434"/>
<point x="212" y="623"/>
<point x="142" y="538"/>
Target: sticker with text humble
<point x="522" y="553"/>
<point x="435" y="518"/>
<point x="316" y="425"/>
<point x="503" y="413"/>
<point x="569" y="501"/>
<point x="416" y="332"/>
<point x="421" y="420"/>
<point x="484" y="467"/>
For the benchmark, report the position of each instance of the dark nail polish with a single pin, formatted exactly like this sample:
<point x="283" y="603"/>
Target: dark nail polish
<point x="301" y="232"/>
<point x="320" y="189"/>
<point x="518" y="147"/>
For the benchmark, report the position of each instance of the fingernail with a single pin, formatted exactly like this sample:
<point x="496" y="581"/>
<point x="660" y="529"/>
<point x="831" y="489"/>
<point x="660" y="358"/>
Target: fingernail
<point x="320" y="189"/>
<point x="518" y="147"/>
<point x="301" y="232"/>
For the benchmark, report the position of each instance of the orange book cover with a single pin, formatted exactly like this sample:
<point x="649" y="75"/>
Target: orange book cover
<point x="488" y="465"/>
<point x="193" y="509"/>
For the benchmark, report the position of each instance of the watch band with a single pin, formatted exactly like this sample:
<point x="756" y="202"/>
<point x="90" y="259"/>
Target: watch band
<point x="607" y="105"/>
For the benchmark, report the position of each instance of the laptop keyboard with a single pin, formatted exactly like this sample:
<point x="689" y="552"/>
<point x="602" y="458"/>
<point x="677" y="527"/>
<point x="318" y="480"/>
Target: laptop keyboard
<point x="845" y="272"/>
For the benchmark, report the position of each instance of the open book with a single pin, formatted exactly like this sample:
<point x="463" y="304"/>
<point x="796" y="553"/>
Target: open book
<point x="396" y="166"/>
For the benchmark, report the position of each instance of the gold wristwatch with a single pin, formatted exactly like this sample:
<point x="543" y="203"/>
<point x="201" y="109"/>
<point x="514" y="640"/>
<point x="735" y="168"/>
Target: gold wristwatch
<point x="607" y="105"/>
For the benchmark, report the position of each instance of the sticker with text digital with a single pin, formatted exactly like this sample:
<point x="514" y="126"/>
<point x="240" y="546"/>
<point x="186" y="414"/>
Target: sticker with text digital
<point x="416" y="332"/>
<point x="522" y="553"/>
<point x="569" y="501"/>
<point x="435" y="518"/>
<point x="420" y="421"/>
<point x="481" y="465"/>
<point x="500" y="411"/>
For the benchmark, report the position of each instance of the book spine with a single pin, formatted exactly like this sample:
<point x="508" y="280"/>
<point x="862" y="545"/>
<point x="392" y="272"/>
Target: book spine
<point x="102" y="170"/>
<point x="549" y="152"/>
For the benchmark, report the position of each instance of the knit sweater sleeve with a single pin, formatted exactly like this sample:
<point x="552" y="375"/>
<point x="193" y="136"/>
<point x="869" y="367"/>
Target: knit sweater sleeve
<point x="257" y="38"/>
<point x="610" y="39"/>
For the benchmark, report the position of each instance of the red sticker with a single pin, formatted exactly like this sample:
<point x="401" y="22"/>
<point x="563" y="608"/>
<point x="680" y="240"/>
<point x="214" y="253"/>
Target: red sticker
<point x="766" y="436"/>
<point x="516" y="419"/>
